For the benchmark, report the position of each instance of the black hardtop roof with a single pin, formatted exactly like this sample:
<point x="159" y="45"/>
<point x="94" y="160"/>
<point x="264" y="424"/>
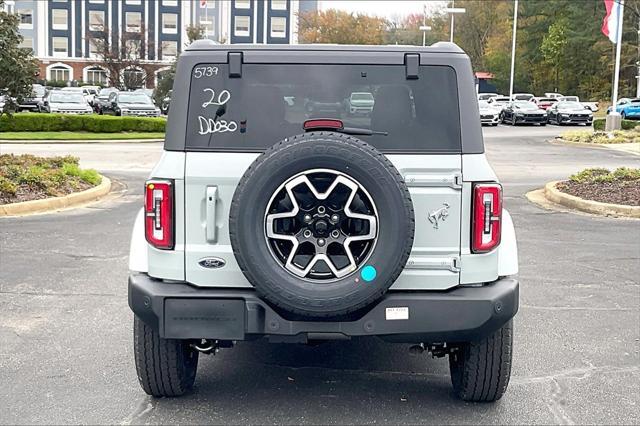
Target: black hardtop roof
<point x="439" y="47"/>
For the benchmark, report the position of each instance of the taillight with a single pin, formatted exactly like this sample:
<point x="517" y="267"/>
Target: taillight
<point x="487" y="217"/>
<point x="158" y="207"/>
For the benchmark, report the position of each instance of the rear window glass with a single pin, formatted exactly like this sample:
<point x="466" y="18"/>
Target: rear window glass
<point x="272" y="102"/>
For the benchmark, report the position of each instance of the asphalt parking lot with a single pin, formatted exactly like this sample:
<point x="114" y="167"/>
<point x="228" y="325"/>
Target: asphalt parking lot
<point x="66" y="340"/>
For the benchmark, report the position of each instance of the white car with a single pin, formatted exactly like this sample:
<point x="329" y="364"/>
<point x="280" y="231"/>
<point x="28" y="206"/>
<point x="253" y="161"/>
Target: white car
<point x="66" y="102"/>
<point x="489" y="114"/>
<point x="499" y="102"/>
<point x="522" y="96"/>
<point x="84" y="91"/>
<point x="593" y="106"/>
<point x="361" y="103"/>
<point x="487" y="96"/>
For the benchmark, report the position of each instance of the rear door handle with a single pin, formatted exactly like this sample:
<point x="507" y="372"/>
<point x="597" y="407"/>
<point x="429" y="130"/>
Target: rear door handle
<point x="211" y="200"/>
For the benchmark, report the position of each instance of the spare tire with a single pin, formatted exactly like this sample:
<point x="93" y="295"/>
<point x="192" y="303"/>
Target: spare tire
<point x="321" y="224"/>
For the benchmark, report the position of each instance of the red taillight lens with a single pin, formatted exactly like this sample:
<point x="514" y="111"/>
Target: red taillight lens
<point x="158" y="207"/>
<point x="487" y="217"/>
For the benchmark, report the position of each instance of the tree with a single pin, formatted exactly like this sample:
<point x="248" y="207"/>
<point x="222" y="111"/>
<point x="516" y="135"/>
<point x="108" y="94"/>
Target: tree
<point x="121" y="56"/>
<point x="553" y="47"/>
<point x="165" y="80"/>
<point x="18" y="68"/>
<point x="339" y="27"/>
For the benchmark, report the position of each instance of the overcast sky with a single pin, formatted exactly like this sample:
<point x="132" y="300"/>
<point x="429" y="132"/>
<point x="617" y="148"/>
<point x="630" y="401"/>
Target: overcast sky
<point x="387" y="9"/>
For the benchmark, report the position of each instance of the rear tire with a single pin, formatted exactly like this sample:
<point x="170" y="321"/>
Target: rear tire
<point x="480" y="371"/>
<point x="165" y="367"/>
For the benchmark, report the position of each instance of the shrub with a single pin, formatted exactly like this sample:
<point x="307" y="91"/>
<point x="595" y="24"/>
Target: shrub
<point x="617" y="136"/>
<point x="597" y="175"/>
<point x="39" y="177"/>
<point x="30" y="122"/>
<point x="598" y="124"/>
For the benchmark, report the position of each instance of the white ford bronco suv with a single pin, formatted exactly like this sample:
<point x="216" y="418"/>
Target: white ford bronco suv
<point x="275" y="213"/>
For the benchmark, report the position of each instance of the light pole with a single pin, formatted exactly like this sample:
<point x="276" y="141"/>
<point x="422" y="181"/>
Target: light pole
<point x="424" y="27"/>
<point x="453" y="11"/>
<point x="513" y="49"/>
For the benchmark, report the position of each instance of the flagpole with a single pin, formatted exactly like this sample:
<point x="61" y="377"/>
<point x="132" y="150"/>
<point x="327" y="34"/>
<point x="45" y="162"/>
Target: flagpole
<point x="614" y="123"/>
<point x="618" y="48"/>
<point x="513" y="48"/>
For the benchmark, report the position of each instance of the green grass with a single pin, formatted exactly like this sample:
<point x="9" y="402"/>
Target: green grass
<point x="80" y="136"/>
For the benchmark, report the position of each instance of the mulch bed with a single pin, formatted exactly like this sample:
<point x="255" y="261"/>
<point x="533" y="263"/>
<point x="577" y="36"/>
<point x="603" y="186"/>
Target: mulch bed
<point x="27" y="193"/>
<point x="620" y="192"/>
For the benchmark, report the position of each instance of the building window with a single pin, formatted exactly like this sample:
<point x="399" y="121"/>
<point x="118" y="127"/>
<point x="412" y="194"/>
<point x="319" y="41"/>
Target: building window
<point x="208" y="25"/>
<point x="169" y="2"/>
<point x="135" y="2"/>
<point x="279" y="4"/>
<point x="134" y="48"/>
<point x="241" y="26"/>
<point x="170" y="23"/>
<point x="26" y="18"/>
<point x="60" y="46"/>
<point x="59" y="73"/>
<point x="96" y="75"/>
<point x="243" y="4"/>
<point x="59" y="19"/>
<point x="96" y="1"/>
<point x="133" y="78"/>
<point x="93" y="49"/>
<point x="133" y="22"/>
<point x="278" y="27"/>
<point x="27" y="43"/>
<point x="59" y="1"/>
<point x="209" y="4"/>
<point x="96" y="20"/>
<point x="169" y="49"/>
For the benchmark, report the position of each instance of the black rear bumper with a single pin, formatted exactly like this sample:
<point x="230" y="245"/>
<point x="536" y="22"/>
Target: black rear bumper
<point x="182" y="311"/>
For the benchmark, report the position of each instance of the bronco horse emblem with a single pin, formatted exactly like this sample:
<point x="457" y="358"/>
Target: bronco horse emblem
<point x="439" y="215"/>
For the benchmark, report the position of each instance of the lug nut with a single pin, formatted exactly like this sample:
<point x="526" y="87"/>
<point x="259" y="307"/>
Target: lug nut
<point x="306" y="233"/>
<point x="321" y="242"/>
<point x="307" y="218"/>
<point x="321" y="210"/>
<point x="335" y="218"/>
<point x="335" y="233"/>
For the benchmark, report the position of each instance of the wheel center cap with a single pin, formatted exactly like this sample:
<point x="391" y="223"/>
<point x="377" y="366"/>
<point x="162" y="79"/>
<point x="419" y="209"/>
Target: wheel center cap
<point x="321" y="227"/>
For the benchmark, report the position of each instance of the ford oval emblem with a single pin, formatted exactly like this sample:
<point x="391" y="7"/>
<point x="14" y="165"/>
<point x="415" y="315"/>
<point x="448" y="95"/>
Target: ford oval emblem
<point x="212" y="262"/>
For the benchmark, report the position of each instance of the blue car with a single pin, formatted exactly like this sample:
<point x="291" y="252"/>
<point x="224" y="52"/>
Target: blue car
<point x="628" y="108"/>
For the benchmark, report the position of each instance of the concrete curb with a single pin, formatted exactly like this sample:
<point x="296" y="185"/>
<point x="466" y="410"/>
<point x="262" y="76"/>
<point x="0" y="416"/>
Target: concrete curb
<point x="612" y="146"/>
<point x="57" y="203"/>
<point x="76" y="141"/>
<point x="594" y="207"/>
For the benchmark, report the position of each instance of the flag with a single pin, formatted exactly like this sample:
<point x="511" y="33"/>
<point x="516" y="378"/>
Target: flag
<point x="611" y="22"/>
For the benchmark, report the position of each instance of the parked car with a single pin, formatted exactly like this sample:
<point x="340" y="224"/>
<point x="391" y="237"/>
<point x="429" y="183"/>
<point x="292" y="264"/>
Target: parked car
<point x="553" y="95"/>
<point x="130" y="103"/>
<point x="499" y="102"/>
<point x="166" y="103"/>
<point x="593" y="106"/>
<point x="628" y="108"/>
<point x="524" y="112"/>
<point x="569" y="113"/>
<point x="545" y="103"/>
<point x="487" y="96"/>
<point x="522" y="96"/>
<point x="3" y="101"/>
<point x="66" y="102"/>
<point x="102" y="99"/>
<point x="361" y="103"/>
<point x="34" y="102"/>
<point x="259" y="222"/>
<point x="489" y="114"/>
<point x="81" y="90"/>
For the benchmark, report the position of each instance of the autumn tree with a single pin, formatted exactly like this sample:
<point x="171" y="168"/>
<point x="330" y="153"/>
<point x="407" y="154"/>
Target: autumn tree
<point x="122" y="56"/>
<point x="339" y="27"/>
<point x="18" y="68"/>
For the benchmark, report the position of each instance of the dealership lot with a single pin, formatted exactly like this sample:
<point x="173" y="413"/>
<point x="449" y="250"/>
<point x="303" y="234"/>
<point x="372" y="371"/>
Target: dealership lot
<point x="66" y="352"/>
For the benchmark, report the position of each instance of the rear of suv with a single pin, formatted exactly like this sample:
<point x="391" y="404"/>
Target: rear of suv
<point x="264" y="219"/>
